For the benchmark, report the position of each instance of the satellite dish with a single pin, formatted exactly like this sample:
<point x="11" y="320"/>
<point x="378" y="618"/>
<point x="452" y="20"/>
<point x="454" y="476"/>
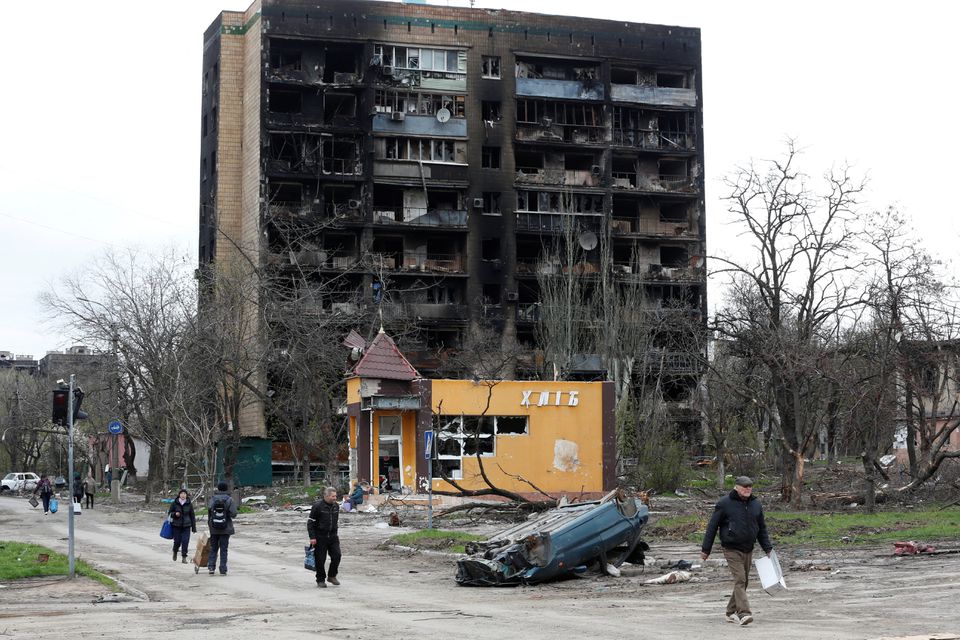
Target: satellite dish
<point x="443" y="114"/>
<point x="588" y="240"/>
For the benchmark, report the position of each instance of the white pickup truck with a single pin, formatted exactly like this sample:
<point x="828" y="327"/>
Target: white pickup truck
<point x="19" y="482"/>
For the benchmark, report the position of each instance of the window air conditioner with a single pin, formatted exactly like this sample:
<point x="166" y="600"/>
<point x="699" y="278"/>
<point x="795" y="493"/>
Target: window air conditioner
<point x="353" y="204"/>
<point x="397" y="116"/>
<point x="512" y="296"/>
<point x="478" y="203"/>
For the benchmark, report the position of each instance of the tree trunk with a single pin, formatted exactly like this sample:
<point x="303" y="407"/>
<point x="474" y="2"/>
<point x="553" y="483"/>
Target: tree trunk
<point x="869" y="482"/>
<point x="796" y="488"/>
<point x="721" y="467"/>
<point x="911" y="433"/>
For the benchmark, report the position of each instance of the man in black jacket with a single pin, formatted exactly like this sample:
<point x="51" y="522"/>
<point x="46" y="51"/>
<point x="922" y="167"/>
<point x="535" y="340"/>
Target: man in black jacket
<point x="739" y="519"/>
<point x="322" y="529"/>
<point x="221" y="510"/>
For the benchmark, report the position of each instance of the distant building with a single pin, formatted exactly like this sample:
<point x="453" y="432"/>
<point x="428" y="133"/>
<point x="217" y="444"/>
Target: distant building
<point x="20" y="363"/>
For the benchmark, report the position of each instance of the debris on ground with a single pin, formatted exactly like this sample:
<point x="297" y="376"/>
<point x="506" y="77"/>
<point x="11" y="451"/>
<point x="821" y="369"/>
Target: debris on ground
<point x="253" y="499"/>
<point x="559" y="542"/>
<point x="810" y="566"/>
<point x="394" y="519"/>
<point x="673" y="577"/>
<point x="911" y="548"/>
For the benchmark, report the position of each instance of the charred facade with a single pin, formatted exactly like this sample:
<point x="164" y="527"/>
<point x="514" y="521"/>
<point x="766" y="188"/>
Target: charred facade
<point x="433" y="152"/>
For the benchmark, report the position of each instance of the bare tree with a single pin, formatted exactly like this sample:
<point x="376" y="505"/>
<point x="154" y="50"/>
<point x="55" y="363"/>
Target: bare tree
<point x="800" y="282"/>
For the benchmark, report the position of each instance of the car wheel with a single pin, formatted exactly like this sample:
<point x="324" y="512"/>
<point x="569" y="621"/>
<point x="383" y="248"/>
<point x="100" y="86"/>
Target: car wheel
<point x="4" y="489"/>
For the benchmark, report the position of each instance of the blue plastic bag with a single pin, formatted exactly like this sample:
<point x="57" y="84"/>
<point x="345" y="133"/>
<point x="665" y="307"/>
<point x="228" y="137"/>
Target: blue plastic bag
<point x="309" y="560"/>
<point x="54" y="505"/>
<point x="166" y="530"/>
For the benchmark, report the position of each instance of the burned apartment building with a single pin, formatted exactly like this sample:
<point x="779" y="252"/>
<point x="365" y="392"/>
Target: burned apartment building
<point x="426" y="155"/>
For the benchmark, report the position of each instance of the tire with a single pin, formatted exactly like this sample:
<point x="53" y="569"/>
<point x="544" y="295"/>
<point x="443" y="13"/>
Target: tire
<point x="4" y="489"/>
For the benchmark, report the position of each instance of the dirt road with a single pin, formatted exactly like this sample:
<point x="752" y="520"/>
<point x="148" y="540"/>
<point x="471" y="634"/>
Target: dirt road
<point x="387" y="594"/>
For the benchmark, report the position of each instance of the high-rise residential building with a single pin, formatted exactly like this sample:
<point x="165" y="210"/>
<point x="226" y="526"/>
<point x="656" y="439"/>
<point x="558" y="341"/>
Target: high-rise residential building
<point x="421" y="158"/>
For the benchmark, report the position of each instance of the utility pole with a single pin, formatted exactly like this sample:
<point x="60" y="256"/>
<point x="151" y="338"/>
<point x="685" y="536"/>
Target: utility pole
<point x="115" y="461"/>
<point x="70" y="535"/>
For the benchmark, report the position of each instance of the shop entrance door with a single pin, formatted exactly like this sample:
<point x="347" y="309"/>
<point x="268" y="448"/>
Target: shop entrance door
<point x="390" y="453"/>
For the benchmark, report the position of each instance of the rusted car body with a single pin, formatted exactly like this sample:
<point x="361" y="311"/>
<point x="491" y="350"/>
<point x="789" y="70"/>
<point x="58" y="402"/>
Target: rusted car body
<point x="559" y="542"/>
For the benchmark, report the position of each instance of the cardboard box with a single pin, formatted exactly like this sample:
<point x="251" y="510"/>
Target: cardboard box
<point x="202" y="552"/>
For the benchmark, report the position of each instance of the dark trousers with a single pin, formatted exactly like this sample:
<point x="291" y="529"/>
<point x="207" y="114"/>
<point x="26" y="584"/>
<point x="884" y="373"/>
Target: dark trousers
<point x="46" y="502"/>
<point x="181" y="540"/>
<point x="89" y="504"/>
<point x="327" y="545"/>
<point x="219" y="542"/>
<point x="739" y="564"/>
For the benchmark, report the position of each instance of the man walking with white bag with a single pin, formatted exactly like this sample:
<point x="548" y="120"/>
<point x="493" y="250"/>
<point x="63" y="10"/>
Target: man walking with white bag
<point x="738" y="517"/>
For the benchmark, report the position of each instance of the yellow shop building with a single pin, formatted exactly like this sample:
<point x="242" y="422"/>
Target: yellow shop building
<point x="558" y="436"/>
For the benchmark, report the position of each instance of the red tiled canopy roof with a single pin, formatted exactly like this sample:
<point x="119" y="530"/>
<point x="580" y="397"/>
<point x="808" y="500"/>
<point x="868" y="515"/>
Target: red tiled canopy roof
<point x="383" y="360"/>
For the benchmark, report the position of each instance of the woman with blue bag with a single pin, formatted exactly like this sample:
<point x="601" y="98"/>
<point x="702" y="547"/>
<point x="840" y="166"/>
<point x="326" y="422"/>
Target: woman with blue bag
<point x="183" y="520"/>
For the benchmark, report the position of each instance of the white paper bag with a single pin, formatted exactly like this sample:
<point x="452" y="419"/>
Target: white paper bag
<point x="76" y="508"/>
<point x="771" y="576"/>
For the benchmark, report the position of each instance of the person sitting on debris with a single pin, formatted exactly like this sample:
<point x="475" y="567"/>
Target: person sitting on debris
<point x="322" y="529"/>
<point x="356" y="498"/>
<point x="739" y="519"/>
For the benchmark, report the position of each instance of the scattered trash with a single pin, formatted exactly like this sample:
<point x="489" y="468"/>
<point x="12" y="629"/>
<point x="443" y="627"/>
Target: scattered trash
<point x="112" y="597"/>
<point x="682" y="565"/>
<point x="846" y="539"/>
<point x="888" y="460"/>
<point x="673" y="577"/>
<point x="42" y="558"/>
<point x="367" y="509"/>
<point x="612" y="571"/>
<point x="911" y="548"/>
<point x="809" y="566"/>
<point x="253" y="499"/>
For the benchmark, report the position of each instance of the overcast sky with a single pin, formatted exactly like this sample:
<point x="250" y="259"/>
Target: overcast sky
<point x="101" y="119"/>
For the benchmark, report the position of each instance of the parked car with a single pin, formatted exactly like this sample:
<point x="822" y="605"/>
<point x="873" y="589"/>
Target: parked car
<point x="17" y="481"/>
<point x="59" y="483"/>
<point x="559" y="542"/>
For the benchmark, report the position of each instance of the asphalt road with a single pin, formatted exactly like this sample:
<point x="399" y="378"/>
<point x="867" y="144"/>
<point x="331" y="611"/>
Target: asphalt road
<point x="390" y="594"/>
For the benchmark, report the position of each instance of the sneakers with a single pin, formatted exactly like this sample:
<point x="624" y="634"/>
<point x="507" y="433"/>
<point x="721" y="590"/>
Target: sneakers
<point x="321" y="585"/>
<point x="212" y="572"/>
<point x="734" y="618"/>
<point x="746" y="619"/>
<point x="333" y="580"/>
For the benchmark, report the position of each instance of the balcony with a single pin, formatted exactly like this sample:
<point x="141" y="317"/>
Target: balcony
<point x="659" y="96"/>
<point x="658" y="273"/>
<point x="657" y="228"/>
<point x="651" y="140"/>
<point x="433" y="263"/>
<point x="560" y="89"/>
<point x="662" y="183"/>
<point x="669" y="361"/>
<point x="549" y="131"/>
<point x="569" y="177"/>
<point x="555" y="222"/>
<point x="420" y="217"/>
<point x="424" y="311"/>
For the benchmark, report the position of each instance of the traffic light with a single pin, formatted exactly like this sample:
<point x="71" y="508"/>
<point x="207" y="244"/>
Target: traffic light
<point x="60" y="406"/>
<point x="77" y="399"/>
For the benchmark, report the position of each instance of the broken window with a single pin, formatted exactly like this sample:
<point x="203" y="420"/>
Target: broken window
<point x="285" y="101"/>
<point x="340" y="64"/>
<point x="671" y="80"/>
<point x="285" y="60"/>
<point x="620" y="75"/>
<point x="490" y="249"/>
<point x="491" y="110"/>
<point x="491" y="293"/>
<point x="411" y="102"/>
<point x="436" y="62"/>
<point x="423" y="149"/>
<point x="490" y="158"/>
<point x="491" y="67"/>
<point x="511" y="425"/>
<point x="491" y="202"/>
<point x="673" y="257"/>
<point x="339" y="105"/>
<point x="673" y="212"/>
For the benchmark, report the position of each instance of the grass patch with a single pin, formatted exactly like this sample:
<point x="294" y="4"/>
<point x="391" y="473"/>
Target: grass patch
<point x="829" y="529"/>
<point x="20" y="560"/>
<point x="435" y="539"/>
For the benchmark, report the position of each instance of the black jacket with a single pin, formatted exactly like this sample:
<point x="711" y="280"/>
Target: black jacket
<point x="740" y="523"/>
<point x="187" y="518"/>
<point x="231" y="513"/>
<point x="322" y="522"/>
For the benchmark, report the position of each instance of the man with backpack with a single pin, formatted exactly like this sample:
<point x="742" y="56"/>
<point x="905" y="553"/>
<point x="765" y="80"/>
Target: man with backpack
<point x="45" y="489"/>
<point x="221" y="510"/>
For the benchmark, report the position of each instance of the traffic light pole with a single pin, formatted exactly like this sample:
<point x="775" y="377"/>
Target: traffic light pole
<point x="70" y="536"/>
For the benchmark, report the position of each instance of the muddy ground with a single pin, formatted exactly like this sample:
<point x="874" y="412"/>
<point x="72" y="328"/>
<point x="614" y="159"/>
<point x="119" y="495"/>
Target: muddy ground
<point x="385" y="593"/>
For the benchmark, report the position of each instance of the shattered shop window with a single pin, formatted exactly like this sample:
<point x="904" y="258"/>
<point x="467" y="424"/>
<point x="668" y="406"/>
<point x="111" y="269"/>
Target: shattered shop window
<point x="511" y="425"/>
<point x="491" y="67"/>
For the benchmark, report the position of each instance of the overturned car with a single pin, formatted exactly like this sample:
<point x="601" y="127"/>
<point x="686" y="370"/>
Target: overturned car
<point x="559" y="542"/>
